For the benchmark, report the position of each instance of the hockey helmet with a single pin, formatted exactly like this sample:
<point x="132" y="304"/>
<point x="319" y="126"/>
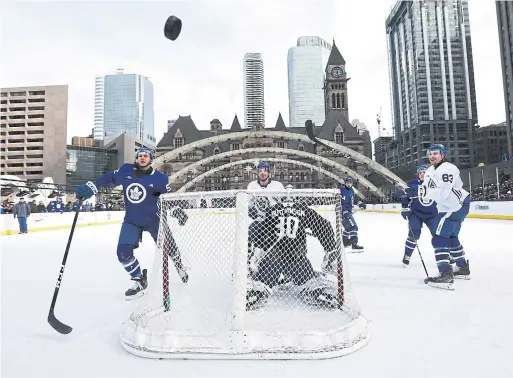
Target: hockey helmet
<point x="422" y="168"/>
<point x="437" y="147"/>
<point x="264" y="165"/>
<point x="145" y="149"/>
<point x="348" y="180"/>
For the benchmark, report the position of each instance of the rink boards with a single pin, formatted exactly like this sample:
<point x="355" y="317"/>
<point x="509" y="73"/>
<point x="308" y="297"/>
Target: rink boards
<point x="52" y="221"/>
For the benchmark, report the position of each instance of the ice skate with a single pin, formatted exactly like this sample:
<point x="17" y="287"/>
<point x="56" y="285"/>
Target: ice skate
<point x="139" y="287"/>
<point x="462" y="273"/>
<point x="355" y="248"/>
<point x="406" y="261"/>
<point x="444" y="281"/>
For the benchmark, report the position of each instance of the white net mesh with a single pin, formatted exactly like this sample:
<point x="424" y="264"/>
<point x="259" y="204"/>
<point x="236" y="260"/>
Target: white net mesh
<point x="242" y="274"/>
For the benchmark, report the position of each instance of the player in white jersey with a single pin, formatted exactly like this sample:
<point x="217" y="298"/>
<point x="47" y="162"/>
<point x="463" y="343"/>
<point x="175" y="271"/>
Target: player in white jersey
<point x="442" y="184"/>
<point x="258" y="206"/>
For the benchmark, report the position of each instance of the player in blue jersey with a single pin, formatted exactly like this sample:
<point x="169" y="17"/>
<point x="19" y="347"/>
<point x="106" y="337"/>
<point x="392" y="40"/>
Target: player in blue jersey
<point x="350" y="234"/>
<point x="418" y="210"/>
<point x="443" y="184"/>
<point x="142" y="186"/>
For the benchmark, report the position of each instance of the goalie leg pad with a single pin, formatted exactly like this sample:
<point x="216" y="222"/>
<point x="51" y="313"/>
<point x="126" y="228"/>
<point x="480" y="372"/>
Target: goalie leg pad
<point x="319" y="291"/>
<point x="257" y="294"/>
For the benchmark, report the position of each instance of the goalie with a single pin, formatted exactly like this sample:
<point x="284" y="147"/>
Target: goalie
<point x="282" y="252"/>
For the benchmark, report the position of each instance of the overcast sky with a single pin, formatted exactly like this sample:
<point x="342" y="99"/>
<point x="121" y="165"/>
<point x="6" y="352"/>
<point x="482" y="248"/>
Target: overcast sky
<point x="200" y="74"/>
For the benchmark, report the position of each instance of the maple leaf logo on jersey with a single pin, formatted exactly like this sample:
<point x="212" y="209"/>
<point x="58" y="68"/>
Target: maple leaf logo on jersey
<point x="135" y="193"/>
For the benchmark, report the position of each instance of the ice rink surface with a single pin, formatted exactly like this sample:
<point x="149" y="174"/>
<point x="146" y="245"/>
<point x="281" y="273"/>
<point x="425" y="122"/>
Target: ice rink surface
<point x="417" y="331"/>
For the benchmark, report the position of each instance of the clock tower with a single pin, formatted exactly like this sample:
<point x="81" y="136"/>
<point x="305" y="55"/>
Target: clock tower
<point x="335" y="83"/>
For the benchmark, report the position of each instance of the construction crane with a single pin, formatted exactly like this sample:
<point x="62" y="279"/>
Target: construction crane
<point x="378" y="120"/>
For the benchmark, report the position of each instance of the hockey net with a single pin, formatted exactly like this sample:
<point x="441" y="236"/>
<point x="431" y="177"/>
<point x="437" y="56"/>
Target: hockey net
<point x="251" y="291"/>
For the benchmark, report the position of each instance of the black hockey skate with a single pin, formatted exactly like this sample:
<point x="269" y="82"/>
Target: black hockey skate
<point x="442" y="281"/>
<point x="462" y="273"/>
<point x="406" y="261"/>
<point x="355" y="248"/>
<point x="139" y="287"/>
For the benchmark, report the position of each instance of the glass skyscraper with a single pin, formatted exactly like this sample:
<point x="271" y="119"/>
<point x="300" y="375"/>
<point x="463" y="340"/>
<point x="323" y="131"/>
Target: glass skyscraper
<point x="128" y="106"/>
<point x="306" y="64"/>
<point x="431" y="77"/>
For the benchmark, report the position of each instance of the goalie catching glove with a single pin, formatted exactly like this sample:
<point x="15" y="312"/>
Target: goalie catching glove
<point x="179" y="214"/>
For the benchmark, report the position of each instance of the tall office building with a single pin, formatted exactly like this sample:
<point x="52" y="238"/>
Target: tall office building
<point x="254" y="106"/>
<point x="505" y="24"/>
<point x="34" y="131"/>
<point x="431" y="75"/>
<point x="306" y="63"/>
<point x="98" y="132"/>
<point x="128" y="106"/>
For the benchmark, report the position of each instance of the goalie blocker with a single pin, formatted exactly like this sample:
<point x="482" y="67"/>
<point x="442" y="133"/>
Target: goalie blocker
<point x="287" y="297"/>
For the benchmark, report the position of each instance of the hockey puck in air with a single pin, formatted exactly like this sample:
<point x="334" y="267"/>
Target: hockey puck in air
<point x="172" y="28"/>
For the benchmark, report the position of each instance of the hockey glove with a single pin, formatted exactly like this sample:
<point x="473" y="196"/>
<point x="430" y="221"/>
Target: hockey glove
<point x="412" y="192"/>
<point x="329" y="265"/>
<point x="362" y="206"/>
<point x="405" y="212"/>
<point x="179" y="214"/>
<point x="86" y="190"/>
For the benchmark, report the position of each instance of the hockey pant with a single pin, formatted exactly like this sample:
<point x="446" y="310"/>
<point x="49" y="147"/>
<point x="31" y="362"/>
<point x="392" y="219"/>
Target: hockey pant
<point x="414" y="231"/>
<point x="129" y="240"/>
<point x="350" y="233"/>
<point x="445" y="231"/>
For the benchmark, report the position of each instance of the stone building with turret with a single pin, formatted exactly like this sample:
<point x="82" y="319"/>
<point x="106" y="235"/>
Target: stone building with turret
<point x="336" y="128"/>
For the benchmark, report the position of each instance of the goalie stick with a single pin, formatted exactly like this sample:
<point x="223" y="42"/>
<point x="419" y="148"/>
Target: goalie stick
<point x="54" y="322"/>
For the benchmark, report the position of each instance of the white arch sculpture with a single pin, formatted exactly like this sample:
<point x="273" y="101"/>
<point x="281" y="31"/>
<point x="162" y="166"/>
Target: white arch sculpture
<point x="282" y="160"/>
<point x="366" y="183"/>
<point x="161" y="160"/>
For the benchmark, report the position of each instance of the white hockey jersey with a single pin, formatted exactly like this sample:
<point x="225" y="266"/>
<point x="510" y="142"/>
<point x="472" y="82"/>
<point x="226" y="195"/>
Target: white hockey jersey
<point x="444" y="186"/>
<point x="273" y="186"/>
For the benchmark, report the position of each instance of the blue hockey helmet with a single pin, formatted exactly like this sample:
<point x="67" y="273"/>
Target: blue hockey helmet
<point x="348" y="180"/>
<point x="264" y="165"/>
<point x="437" y="147"/>
<point x="145" y="149"/>
<point x="422" y="168"/>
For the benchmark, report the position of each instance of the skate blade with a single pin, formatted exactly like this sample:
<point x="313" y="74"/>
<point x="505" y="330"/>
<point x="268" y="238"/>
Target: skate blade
<point x="355" y="251"/>
<point x="468" y="278"/>
<point x="138" y="295"/>
<point x="443" y="286"/>
<point x="406" y="265"/>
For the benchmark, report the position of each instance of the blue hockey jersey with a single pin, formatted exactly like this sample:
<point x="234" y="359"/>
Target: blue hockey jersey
<point x="141" y="190"/>
<point x="421" y="206"/>
<point x="347" y="196"/>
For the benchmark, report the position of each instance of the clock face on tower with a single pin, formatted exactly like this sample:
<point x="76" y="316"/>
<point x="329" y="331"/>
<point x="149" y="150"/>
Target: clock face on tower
<point x="337" y="72"/>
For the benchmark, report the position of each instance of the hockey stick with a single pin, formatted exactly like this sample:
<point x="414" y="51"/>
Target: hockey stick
<point x="416" y="244"/>
<point x="54" y="322"/>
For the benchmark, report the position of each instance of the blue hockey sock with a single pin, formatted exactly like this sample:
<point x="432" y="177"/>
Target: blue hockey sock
<point x="127" y="259"/>
<point x="346" y="237"/>
<point x="457" y="252"/>
<point x="133" y="268"/>
<point x="409" y="247"/>
<point x="442" y="253"/>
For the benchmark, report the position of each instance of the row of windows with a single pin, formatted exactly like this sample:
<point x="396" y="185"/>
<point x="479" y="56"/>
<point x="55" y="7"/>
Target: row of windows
<point x="22" y="108"/>
<point x="23" y="93"/>
<point x="21" y="101"/>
